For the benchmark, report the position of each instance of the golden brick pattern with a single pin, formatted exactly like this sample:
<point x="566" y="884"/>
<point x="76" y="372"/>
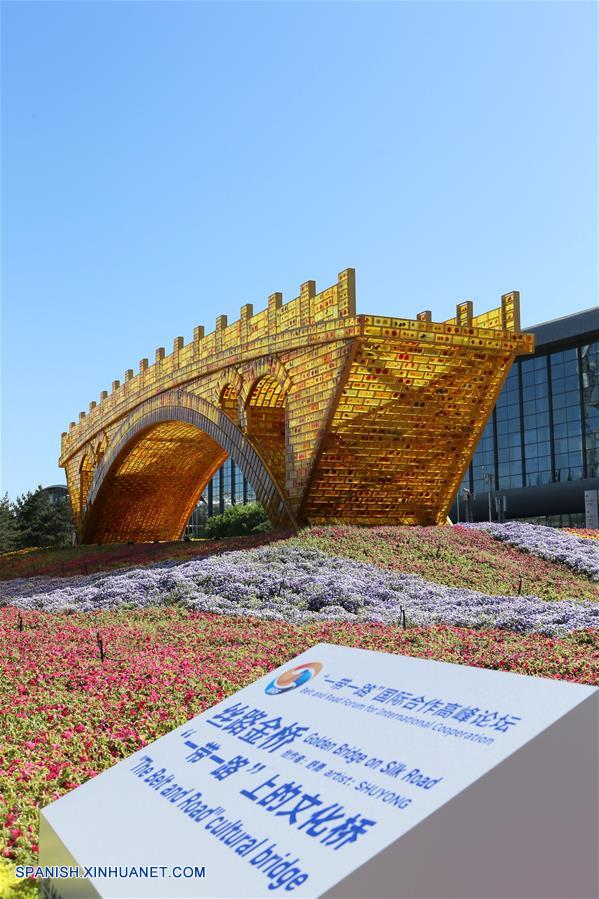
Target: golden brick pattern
<point x="159" y="462"/>
<point x="412" y="414"/>
<point x="153" y="487"/>
<point x="265" y="424"/>
<point x="331" y="416"/>
<point x="228" y="402"/>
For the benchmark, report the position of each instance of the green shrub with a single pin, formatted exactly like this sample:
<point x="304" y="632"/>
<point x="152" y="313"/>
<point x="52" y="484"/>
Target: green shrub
<point x="236" y="521"/>
<point x="11" y="888"/>
<point x="8" y="526"/>
<point x="40" y="522"/>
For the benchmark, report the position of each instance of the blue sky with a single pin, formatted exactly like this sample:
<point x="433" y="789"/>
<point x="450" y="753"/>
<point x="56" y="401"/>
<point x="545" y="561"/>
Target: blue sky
<point x="163" y="163"/>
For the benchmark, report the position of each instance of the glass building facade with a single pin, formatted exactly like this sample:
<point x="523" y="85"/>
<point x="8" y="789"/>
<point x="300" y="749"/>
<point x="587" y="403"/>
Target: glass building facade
<point x="227" y="487"/>
<point x="57" y="493"/>
<point x="540" y="448"/>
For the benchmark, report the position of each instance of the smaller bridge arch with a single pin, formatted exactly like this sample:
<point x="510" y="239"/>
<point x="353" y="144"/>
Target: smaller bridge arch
<point x="266" y="422"/>
<point x="158" y="464"/>
<point x="227" y="393"/>
<point x="100" y="448"/>
<point x="86" y="474"/>
<point x="229" y="402"/>
<point x="269" y="366"/>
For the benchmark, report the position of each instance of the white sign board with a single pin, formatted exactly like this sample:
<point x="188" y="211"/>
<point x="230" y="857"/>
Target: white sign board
<point x="348" y="773"/>
<point x="591" y="508"/>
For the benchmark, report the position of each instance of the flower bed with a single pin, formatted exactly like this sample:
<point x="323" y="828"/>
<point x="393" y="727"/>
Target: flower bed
<point x="454" y="556"/>
<point x="74" y="560"/>
<point x="67" y="716"/>
<point x="553" y="544"/>
<point x="586" y="533"/>
<point x="296" y="584"/>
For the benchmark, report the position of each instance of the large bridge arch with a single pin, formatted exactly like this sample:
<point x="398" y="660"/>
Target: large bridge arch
<point x="157" y="465"/>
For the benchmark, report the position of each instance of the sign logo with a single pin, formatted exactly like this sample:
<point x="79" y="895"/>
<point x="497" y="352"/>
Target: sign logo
<point x="295" y="677"/>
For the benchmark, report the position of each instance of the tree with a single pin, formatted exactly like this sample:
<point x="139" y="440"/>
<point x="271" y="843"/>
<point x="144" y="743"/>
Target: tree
<point x="237" y="520"/>
<point x="8" y="526"/>
<point x="40" y="522"/>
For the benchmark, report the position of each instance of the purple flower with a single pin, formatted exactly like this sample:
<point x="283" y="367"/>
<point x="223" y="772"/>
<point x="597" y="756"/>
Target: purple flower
<point x="581" y="555"/>
<point x="296" y="584"/>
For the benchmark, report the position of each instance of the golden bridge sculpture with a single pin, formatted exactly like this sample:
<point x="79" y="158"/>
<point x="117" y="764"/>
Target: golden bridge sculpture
<point x="332" y="417"/>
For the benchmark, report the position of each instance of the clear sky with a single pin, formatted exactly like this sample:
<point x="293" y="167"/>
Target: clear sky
<point x="164" y="163"/>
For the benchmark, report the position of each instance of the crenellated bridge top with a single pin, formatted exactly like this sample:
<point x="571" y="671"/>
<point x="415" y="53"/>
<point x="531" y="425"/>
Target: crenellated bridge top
<point x="310" y="319"/>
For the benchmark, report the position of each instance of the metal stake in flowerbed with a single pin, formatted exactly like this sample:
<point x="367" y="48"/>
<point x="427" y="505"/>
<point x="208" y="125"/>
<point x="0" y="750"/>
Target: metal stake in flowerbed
<point x="103" y="654"/>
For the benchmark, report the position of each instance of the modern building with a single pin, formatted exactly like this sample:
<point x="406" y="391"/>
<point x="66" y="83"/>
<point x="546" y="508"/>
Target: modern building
<point x="539" y="452"/>
<point x="57" y="493"/>
<point x="227" y="487"/>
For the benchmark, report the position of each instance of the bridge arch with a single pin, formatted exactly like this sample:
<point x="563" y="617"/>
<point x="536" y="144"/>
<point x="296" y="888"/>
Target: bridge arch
<point x="157" y="465"/>
<point x="227" y="392"/>
<point x="100" y="448"/>
<point x="86" y="474"/>
<point x="266" y="421"/>
<point x="229" y="402"/>
<point x="269" y="366"/>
